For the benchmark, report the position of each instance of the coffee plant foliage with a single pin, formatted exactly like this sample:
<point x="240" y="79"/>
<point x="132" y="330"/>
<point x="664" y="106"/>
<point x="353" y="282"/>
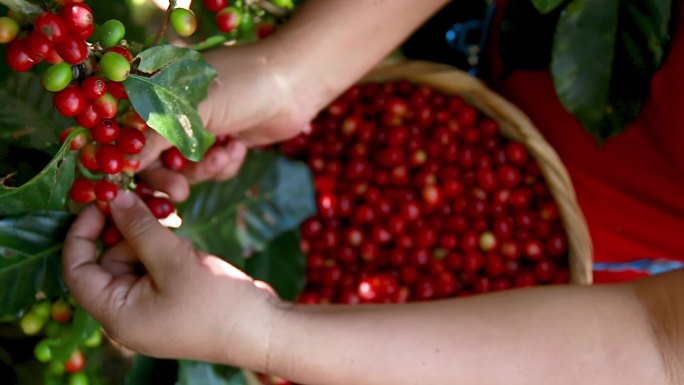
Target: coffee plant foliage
<point x="251" y="220"/>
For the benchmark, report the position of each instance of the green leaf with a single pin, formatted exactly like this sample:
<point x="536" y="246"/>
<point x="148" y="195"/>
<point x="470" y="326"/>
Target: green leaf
<point x="196" y="373"/>
<point x="27" y="116"/>
<point x="604" y="55"/>
<point x="546" y="6"/>
<point x="141" y="372"/>
<point x="282" y="265"/>
<point x="148" y="370"/>
<point x="168" y="99"/>
<point x="237" y="218"/>
<point x="22" y="6"/>
<point x="49" y="190"/>
<point x="30" y="263"/>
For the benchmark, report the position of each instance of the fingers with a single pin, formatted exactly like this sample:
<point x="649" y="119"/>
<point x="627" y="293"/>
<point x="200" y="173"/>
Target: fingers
<point x="86" y="279"/>
<point x="161" y="251"/>
<point x="221" y="163"/>
<point x="171" y="182"/>
<point x="237" y="152"/>
<point x="119" y="260"/>
<point x="270" y="134"/>
<point x="155" y="144"/>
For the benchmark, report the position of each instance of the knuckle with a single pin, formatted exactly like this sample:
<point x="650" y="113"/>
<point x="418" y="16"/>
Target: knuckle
<point x="139" y="226"/>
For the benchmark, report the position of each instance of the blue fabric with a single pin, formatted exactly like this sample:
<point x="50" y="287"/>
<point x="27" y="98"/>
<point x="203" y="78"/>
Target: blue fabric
<point x="651" y="267"/>
<point x="458" y="37"/>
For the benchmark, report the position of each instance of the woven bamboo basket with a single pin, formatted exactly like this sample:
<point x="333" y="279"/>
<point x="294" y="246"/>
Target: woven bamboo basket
<point x="514" y="125"/>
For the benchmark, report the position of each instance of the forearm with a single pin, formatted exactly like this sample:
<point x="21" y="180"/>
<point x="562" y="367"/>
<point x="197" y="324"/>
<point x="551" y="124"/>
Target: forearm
<point x="559" y="335"/>
<point x="329" y="44"/>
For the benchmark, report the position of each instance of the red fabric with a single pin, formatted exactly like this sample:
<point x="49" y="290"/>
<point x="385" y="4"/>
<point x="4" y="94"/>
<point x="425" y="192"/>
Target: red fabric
<point x="632" y="189"/>
<point x="617" y="276"/>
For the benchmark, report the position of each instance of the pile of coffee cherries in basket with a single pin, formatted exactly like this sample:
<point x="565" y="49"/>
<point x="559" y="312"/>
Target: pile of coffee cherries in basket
<point x="420" y="197"/>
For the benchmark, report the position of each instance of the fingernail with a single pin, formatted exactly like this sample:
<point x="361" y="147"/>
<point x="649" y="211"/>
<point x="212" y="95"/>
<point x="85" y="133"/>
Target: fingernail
<point x="234" y="150"/>
<point x="218" y="160"/>
<point x="125" y="200"/>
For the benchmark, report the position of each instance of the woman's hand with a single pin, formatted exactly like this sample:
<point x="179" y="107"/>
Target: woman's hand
<point x="186" y="303"/>
<point x="252" y="100"/>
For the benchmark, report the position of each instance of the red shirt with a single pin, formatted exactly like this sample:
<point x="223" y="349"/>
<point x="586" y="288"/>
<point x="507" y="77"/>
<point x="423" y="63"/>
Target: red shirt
<point x="632" y="189"/>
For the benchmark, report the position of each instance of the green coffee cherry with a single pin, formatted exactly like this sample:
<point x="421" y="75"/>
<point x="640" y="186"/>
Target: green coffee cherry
<point x="57" y="368"/>
<point x="43" y="351"/>
<point x="111" y="33"/>
<point x="31" y="324"/>
<point x="9" y="29"/>
<point x="78" y="379"/>
<point x="52" y="328"/>
<point x="283" y="3"/>
<point x="115" y="67"/>
<point x="57" y="77"/>
<point x="94" y="340"/>
<point x="183" y="21"/>
<point x="42" y="309"/>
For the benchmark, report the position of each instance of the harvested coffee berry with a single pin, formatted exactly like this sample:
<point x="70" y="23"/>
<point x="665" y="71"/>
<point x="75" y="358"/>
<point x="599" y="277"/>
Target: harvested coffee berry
<point x="161" y="208"/>
<point x="419" y="197"/>
<point x="143" y="189"/>
<point x="111" y="235"/>
<point x="174" y="160"/>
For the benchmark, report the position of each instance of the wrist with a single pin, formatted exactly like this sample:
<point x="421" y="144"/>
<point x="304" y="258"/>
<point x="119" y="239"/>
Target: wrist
<point x="246" y="342"/>
<point x="307" y="85"/>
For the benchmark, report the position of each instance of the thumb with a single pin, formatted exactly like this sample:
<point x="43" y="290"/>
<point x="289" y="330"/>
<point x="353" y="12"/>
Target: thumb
<point x="160" y="250"/>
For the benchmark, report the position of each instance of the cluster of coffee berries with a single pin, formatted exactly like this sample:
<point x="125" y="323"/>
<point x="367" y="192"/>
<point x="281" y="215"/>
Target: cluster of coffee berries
<point x="55" y="319"/>
<point x="87" y="82"/>
<point x="419" y="198"/>
<point x="52" y="37"/>
<point x="228" y="18"/>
